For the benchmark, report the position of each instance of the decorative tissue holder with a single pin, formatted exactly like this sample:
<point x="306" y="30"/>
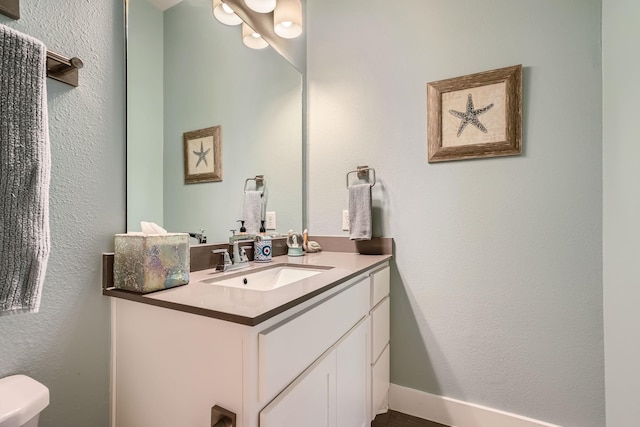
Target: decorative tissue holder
<point x="146" y="263"/>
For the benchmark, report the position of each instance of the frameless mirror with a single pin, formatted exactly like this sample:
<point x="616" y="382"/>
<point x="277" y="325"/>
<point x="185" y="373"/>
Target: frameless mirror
<point x="187" y="72"/>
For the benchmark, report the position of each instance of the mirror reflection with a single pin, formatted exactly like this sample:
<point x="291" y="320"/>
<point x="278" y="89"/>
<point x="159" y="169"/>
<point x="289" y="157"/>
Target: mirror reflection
<point x="187" y="72"/>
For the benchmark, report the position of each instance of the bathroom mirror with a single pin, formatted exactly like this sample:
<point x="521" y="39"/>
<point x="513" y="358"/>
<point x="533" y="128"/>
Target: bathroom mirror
<point x="186" y="72"/>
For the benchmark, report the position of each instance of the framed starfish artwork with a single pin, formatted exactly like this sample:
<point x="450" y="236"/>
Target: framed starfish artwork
<point x="202" y="155"/>
<point x="475" y="116"/>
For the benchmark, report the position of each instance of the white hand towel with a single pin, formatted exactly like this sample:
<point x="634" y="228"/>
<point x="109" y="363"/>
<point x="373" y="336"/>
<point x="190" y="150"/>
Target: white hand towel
<point x="360" y="212"/>
<point x="252" y="211"/>
<point x="25" y="168"/>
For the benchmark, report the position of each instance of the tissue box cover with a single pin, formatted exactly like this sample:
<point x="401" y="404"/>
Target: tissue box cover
<point x="150" y="262"/>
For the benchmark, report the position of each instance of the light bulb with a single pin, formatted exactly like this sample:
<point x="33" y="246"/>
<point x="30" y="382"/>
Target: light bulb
<point x="252" y="39"/>
<point x="261" y="6"/>
<point x="223" y="13"/>
<point x="287" y="18"/>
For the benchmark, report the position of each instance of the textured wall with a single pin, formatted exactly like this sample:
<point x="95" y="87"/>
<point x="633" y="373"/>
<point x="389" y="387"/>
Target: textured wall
<point x="621" y="67"/>
<point x="66" y="345"/>
<point x="497" y="285"/>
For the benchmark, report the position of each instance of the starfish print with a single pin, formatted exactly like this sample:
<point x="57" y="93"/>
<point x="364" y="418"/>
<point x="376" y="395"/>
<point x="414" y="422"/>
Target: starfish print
<point x="471" y="116"/>
<point x="202" y="155"/>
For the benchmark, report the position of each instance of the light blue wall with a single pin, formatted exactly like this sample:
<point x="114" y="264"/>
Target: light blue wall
<point x="621" y="68"/>
<point x="66" y="345"/>
<point x="145" y="111"/>
<point x="497" y="283"/>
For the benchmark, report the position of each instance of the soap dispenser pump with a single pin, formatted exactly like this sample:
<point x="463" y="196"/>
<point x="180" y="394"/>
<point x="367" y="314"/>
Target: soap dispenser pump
<point x="243" y="230"/>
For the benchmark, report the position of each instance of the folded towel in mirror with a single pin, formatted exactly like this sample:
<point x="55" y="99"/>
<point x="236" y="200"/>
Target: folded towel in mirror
<point x="252" y="211"/>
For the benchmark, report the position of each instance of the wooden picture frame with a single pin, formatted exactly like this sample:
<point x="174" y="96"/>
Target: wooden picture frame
<point x="475" y="116"/>
<point x="202" y="155"/>
<point x="10" y="8"/>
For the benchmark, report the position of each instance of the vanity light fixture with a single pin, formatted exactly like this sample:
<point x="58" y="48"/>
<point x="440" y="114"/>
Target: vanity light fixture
<point x="225" y="14"/>
<point x="261" y="6"/>
<point x="252" y="39"/>
<point x="287" y="18"/>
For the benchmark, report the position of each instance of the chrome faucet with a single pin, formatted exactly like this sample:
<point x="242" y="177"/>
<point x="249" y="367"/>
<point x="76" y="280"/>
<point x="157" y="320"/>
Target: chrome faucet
<point x="240" y="258"/>
<point x="200" y="237"/>
<point x="226" y="260"/>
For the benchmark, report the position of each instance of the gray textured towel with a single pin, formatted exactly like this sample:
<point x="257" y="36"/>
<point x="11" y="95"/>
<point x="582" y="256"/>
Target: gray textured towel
<point x="360" y="212"/>
<point x="252" y="211"/>
<point x="25" y="165"/>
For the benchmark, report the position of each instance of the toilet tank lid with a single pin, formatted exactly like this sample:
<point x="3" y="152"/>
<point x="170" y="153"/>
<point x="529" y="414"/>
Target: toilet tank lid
<point x="21" y="398"/>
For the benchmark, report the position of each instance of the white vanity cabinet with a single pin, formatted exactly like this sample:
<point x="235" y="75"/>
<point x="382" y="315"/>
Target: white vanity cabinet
<point x="319" y="363"/>
<point x="351" y="379"/>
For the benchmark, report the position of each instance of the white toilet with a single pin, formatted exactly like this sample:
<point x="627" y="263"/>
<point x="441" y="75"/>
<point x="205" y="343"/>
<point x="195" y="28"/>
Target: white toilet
<point x="21" y="401"/>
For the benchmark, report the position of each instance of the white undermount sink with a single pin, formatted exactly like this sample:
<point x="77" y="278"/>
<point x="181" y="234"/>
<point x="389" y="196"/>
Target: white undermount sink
<point x="269" y="278"/>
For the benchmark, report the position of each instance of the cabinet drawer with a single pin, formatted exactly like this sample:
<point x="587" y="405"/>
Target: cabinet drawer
<point x="380" y="328"/>
<point x="380" y="384"/>
<point x="380" y="281"/>
<point x="288" y="349"/>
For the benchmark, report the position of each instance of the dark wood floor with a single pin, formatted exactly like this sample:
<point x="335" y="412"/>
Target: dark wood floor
<point x="398" y="419"/>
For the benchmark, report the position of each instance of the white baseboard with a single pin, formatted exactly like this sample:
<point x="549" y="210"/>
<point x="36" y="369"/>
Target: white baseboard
<point x="454" y="412"/>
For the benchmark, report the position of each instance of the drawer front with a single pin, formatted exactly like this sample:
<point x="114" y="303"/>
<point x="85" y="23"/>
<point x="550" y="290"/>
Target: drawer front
<point x="380" y="384"/>
<point x="380" y="281"/>
<point x="288" y="349"/>
<point x="380" y="325"/>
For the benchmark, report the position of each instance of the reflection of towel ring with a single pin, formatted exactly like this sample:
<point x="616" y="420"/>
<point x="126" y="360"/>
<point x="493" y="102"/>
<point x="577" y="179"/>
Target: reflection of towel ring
<point x="363" y="173"/>
<point x="260" y="181"/>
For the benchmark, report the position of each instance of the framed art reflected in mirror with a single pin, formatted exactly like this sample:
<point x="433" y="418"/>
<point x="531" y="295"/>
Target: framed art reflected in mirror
<point x="202" y="155"/>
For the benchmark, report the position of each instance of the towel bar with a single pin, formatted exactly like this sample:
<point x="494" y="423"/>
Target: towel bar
<point x="363" y="172"/>
<point x="63" y="69"/>
<point x="259" y="179"/>
<point x="59" y="68"/>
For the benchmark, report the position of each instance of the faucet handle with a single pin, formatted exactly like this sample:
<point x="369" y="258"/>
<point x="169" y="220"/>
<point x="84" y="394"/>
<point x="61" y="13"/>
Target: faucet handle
<point x="225" y="255"/>
<point x="243" y="253"/>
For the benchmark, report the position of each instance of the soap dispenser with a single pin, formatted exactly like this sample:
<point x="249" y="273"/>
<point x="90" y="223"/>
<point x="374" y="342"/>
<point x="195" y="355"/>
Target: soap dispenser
<point x="243" y="230"/>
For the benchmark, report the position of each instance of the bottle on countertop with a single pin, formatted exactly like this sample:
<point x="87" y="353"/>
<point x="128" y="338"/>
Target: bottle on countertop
<point x="262" y="249"/>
